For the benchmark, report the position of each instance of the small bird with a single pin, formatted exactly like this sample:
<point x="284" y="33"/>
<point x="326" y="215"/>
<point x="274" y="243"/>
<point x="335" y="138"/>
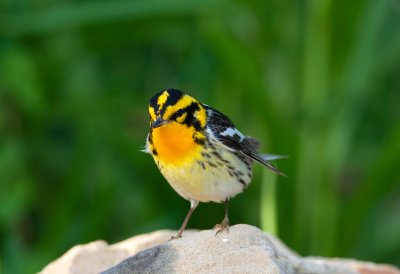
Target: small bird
<point x="200" y="152"/>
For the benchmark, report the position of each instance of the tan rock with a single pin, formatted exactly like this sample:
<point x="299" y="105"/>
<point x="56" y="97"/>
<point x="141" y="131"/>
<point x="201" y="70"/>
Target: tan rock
<point x="98" y="256"/>
<point x="245" y="249"/>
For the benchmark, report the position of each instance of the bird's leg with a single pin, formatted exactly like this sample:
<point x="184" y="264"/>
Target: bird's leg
<point x="225" y="222"/>
<point x="193" y="205"/>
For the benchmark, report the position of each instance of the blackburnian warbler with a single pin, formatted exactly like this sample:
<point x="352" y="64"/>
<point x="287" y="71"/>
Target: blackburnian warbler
<point x="200" y="152"/>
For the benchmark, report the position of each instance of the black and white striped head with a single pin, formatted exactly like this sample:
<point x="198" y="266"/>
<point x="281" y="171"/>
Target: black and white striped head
<point x="173" y="105"/>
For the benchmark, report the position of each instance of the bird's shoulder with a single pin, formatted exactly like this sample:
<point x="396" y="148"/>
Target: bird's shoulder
<point x="224" y="130"/>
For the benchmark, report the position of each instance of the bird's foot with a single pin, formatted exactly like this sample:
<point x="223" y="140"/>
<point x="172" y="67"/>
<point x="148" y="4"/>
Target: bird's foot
<point x="175" y="237"/>
<point x="222" y="226"/>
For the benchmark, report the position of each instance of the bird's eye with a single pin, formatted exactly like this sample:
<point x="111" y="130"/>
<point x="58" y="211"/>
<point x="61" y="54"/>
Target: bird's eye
<point x="179" y="112"/>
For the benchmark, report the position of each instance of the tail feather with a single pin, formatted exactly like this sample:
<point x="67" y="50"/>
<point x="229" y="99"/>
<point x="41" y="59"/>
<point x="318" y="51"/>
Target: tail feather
<point x="272" y="157"/>
<point x="274" y="169"/>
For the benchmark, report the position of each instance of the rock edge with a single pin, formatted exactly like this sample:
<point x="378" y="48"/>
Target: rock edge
<point x="245" y="249"/>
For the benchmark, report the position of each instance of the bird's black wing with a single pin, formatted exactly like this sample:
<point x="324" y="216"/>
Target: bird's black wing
<point x="226" y="132"/>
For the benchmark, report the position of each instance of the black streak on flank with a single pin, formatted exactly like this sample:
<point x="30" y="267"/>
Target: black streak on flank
<point x="154" y="151"/>
<point x="216" y="154"/>
<point x="197" y="140"/>
<point x="202" y="165"/>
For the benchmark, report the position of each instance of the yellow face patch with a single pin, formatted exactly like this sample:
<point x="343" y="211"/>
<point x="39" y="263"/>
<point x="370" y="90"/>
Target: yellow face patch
<point x="202" y="116"/>
<point x="175" y="145"/>
<point x="182" y="118"/>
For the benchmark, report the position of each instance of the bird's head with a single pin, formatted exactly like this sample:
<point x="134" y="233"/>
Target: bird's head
<point x="175" y="106"/>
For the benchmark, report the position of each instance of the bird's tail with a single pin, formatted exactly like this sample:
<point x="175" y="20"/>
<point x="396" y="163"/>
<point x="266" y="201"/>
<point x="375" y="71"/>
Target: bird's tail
<point x="273" y="157"/>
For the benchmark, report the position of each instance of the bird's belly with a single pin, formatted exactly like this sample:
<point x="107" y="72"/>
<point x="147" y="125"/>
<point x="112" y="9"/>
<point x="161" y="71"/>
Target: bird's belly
<point x="204" y="180"/>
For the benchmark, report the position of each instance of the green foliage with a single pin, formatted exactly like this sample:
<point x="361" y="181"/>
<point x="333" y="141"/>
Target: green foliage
<point x="315" y="80"/>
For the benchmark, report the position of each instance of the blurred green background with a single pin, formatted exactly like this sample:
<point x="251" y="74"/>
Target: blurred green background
<point x="316" y="80"/>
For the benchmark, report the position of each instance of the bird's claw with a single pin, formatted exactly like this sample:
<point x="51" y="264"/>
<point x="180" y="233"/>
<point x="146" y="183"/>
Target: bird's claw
<point x="175" y="237"/>
<point x="222" y="226"/>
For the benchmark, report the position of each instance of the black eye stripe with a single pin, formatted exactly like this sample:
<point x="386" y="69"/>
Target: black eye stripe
<point x="194" y="106"/>
<point x="177" y="114"/>
<point x="189" y="110"/>
<point x="180" y="112"/>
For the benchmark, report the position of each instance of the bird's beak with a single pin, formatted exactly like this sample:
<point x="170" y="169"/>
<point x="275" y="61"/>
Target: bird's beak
<point x="159" y="122"/>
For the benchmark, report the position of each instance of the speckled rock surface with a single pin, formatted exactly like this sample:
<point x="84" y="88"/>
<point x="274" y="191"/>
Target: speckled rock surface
<point x="245" y="249"/>
<point x="97" y="256"/>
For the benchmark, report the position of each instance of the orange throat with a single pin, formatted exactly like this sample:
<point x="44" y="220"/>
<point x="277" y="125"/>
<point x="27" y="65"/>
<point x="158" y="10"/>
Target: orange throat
<point x="174" y="144"/>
